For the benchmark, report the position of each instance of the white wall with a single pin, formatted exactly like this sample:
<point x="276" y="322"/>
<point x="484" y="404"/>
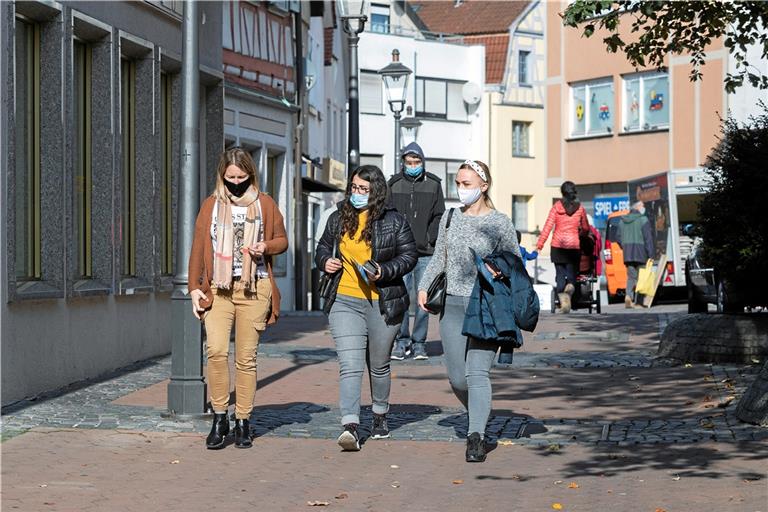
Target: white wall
<point x="440" y="139"/>
<point x="744" y="102"/>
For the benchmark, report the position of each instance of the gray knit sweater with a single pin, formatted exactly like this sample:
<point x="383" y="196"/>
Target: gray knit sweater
<point x="484" y="234"/>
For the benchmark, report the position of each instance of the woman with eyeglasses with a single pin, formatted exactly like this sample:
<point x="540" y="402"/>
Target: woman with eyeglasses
<point x="367" y="247"/>
<point x="238" y="231"/>
<point x="478" y="227"/>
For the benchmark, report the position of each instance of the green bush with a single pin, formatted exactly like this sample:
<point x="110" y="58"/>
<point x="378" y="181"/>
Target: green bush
<point x="734" y="212"/>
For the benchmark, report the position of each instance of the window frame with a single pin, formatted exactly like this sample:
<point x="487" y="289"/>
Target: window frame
<point x="515" y="210"/>
<point x="31" y="267"/>
<point x="83" y="171"/>
<point x="523" y="67"/>
<point x="167" y="266"/>
<point x="516" y="153"/>
<point x="377" y="27"/>
<point x="588" y="85"/>
<point x="128" y="167"/>
<point x="419" y="94"/>
<point x="370" y="73"/>
<point x="643" y="125"/>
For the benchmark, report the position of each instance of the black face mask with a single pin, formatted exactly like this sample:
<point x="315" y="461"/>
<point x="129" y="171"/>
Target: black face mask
<point x="237" y="189"/>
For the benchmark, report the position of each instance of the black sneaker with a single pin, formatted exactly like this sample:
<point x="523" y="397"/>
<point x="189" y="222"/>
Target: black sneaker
<point x="475" y="448"/>
<point x="380" y="429"/>
<point x="401" y="350"/>
<point x="420" y="351"/>
<point x="349" y="440"/>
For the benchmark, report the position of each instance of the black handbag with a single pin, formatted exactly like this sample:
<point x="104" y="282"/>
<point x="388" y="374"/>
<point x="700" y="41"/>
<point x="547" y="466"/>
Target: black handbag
<point x="438" y="289"/>
<point x="325" y="285"/>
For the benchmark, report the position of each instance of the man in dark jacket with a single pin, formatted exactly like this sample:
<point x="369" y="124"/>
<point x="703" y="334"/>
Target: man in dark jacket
<point x="418" y="195"/>
<point x="636" y="241"/>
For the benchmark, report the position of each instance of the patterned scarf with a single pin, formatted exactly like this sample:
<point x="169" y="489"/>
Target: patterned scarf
<point x="225" y="243"/>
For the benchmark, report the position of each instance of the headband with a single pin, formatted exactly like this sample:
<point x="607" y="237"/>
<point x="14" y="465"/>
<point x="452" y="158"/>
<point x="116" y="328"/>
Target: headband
<point x="479" y="170"/>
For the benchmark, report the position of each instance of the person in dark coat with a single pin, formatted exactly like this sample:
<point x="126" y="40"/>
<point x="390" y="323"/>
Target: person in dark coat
<point x="636" y="241"/>
<point x="367" y="247"/>
<point x="418" y="195"/>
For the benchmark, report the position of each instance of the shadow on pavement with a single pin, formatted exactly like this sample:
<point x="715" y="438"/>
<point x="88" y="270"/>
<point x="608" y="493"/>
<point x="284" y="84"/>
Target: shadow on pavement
<point x="682" y="461"/>
<point x="266" y="418"/>
<point x="301" y="358"/>
<point x="399" y="415"/>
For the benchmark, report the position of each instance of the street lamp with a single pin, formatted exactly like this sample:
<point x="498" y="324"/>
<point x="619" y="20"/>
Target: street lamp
<point x="353" y="18"/>
<point x="409" y="127"/>
<point x="395" y="76"/>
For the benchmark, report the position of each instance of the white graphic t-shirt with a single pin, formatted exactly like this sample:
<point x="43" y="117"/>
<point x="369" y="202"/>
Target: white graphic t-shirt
<point x="238" y="225"/>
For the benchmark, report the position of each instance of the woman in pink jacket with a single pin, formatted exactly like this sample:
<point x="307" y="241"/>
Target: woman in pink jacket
<point x="569" y="219"/>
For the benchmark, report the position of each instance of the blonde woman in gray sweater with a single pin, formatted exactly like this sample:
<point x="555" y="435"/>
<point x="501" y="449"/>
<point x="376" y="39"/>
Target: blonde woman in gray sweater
<point x="480" y="227"/>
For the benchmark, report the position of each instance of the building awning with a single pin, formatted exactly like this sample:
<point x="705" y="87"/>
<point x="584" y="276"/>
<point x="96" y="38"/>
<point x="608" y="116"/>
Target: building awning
<point x="311" y="185"/>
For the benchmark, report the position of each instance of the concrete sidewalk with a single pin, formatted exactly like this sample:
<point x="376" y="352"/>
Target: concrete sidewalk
<point x="584" y="418"/>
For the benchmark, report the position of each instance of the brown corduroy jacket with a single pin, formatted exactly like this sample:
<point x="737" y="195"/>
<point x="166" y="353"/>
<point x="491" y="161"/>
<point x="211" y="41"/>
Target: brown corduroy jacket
<point x="201" y="257"/>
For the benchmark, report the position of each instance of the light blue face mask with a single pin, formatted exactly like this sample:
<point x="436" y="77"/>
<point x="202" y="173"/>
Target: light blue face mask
<point x="413" y="171"/>
<point x="359" y="201"/>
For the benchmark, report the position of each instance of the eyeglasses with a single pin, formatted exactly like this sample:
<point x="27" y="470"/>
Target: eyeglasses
<point x="357" y="188"/>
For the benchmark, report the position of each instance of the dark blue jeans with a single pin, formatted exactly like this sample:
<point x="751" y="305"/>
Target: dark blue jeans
<point x="421" y="322"/>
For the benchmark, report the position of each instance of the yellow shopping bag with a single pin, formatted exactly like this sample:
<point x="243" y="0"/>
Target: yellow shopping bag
<point x="646" y="279"/>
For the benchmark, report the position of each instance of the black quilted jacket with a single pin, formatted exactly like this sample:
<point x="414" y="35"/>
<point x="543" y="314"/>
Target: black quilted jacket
<point x="394" y="249"/>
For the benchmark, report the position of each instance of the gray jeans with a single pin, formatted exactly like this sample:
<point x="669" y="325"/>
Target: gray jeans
<point x="362" y="336"/>
<point x="633" y="269"/>
<point x="468" y="362"/>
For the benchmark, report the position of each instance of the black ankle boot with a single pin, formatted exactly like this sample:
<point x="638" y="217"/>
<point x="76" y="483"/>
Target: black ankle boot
<point x="219" y="432"/>
<point x="242" y="434"/>
<point x="475" y="448"/>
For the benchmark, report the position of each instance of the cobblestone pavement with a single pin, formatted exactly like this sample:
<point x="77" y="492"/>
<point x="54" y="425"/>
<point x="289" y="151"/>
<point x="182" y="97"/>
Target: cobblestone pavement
<point x="90" y="405"/>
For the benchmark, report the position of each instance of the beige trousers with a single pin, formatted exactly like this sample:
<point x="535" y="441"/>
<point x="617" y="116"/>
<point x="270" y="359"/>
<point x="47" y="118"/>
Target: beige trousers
<point x="248" y="313"/>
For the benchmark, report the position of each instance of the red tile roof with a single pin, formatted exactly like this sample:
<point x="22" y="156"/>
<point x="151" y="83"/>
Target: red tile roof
<point x="495" y="55"/>
<point x="469" y="16"/>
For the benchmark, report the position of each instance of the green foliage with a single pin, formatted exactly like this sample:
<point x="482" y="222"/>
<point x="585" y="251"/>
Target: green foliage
<point x="734" y="214"/>
<point x="679" y="27"/>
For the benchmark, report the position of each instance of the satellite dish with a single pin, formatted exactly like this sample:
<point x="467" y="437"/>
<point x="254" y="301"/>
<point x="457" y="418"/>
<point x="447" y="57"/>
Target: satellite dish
<point x="471" y="93"/>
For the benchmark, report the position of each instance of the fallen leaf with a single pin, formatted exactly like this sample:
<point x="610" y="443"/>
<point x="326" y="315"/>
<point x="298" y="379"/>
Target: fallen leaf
<point x="756" y="361"/>
<point x="706" y="424"/>
<point x="557" y="482"/>
<point x="516" y="477"/>
<point x="660" y="510"/>
<point x="573" y="485"/>
<point x="317" y="503"/>
<point x="46" y="485"/>
<point x="395" y="485"/>
<point x="394" y="466"/>
<point x="458" y="482"/>
<point x="687" y="365"/>
<point x="557" y="506"/>
<point x="676" y="478"/>
<point x="342" y="496"/>
<point x="175" y="461"/>
<point x="505" y="442"/>
<point x="553" y="447"/>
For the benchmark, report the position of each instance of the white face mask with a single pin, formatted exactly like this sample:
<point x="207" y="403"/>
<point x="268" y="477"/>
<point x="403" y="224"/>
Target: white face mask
<point x="469" y="196"/>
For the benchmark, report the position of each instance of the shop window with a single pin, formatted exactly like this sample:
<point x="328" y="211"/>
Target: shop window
<point x="591" y="108"/>
<point x="645" y="102"/>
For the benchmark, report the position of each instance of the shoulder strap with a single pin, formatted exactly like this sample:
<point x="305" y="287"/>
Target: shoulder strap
<point x="448" y="221"/>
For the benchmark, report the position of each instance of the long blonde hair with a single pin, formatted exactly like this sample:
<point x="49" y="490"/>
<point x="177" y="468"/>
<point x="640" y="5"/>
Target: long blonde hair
<point x="488" y="181"/>
<point x="240" y="158"/>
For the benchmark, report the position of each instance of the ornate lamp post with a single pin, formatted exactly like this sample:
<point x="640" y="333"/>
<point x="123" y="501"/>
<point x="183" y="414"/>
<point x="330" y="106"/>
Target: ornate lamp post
<point x="409" y="128"/>
<point x="395" y="76"/>
<point x="353" y="17"/>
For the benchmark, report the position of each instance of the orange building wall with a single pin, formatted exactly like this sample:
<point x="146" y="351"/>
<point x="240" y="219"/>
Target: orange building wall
<point x="693" y="127"/>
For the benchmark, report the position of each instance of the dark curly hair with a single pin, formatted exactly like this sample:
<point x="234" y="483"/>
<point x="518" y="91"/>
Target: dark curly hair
<point x="377" y="199"/>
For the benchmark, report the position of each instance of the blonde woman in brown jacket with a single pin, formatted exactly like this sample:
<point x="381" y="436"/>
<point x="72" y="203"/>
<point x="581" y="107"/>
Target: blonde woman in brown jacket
<point x="238" y="231"/>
